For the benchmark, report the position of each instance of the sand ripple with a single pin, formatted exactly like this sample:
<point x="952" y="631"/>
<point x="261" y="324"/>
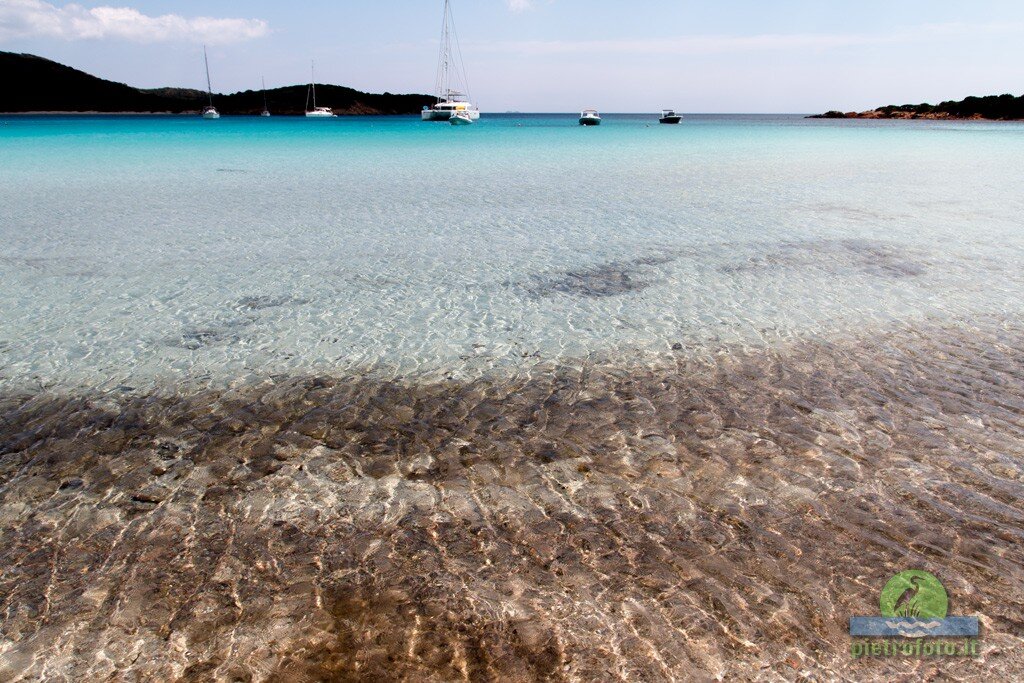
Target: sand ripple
<point x="698" y="520"/>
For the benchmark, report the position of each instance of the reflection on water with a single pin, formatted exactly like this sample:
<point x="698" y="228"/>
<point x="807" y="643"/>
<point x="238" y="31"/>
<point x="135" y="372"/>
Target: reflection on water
<point x="705" y="518"/>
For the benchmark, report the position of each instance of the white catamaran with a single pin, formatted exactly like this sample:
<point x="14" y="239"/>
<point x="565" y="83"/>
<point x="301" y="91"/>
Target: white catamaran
<point x="316" y="112"/>
<point x="209" y="112"/>
<point x="451" y="88"/>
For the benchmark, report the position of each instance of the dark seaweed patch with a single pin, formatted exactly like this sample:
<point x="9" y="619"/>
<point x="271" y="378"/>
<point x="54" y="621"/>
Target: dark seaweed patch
<point x="219" y="335"/>
<point x="259" y="302"/>
<point x="605" y="280"/>
<point x="33" y="262"/>
<point x="836" y="256"/>
<point x="195" y="339"/>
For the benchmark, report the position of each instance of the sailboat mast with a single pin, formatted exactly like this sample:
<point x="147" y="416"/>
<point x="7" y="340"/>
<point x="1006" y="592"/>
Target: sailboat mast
<point x="443" y="85"/>
<point x="447" y="49"/>
<point x="263" y="85"/>
<point x="209" y="88"/>
<point x="312" y="81"/>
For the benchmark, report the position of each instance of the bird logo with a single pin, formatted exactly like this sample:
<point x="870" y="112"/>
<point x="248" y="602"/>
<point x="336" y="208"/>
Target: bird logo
<point x="915" y="594"/>
<point x="909" y="604"/>
<point x="914" y="602"/>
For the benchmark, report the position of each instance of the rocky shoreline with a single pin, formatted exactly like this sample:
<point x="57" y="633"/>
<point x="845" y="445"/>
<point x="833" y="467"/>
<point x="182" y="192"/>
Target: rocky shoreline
<point x="904" y="115"/>
<point x="990" y="108"/>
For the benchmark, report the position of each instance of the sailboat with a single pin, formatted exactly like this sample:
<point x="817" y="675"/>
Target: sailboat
<point x="451" y="76"/>
<point x="316" y="112"/>
<point x="209" y="112"/>
<point x="263" y="84"/>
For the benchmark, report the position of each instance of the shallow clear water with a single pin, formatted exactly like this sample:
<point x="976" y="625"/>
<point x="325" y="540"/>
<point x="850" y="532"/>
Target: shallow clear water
<point x="156" y="248"/>
<point x="766" y="363"/>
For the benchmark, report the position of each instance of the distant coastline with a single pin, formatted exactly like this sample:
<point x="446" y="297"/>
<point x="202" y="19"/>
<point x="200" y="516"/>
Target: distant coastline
<point x="99" y="113"/>
<point x="38" y="86"/>
<point x="192" y="113"/>
<point x="989" y="108"/>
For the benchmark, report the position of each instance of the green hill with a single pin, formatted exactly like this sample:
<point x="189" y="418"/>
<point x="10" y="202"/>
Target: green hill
<point x="35" y="84"/>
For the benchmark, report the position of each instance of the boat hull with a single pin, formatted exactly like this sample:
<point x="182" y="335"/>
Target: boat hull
<point x="446" y="115"/>
<point x="670" y="119"/>
<point x="319" y="115"/>
<point x="211" y="115"/>
<point x="460" y="121"/>
<point x="589" y="121"/>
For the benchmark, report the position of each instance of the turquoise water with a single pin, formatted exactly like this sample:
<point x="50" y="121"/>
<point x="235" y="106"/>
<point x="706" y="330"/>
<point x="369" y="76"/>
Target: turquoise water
<point x="150" y="249"/>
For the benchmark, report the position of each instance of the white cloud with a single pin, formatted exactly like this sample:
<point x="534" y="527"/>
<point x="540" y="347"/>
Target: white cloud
<point x="520" y="5"/>
<point x="36" y="18"/>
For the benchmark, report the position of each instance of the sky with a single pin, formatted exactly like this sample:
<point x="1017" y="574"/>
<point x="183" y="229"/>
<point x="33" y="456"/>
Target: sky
<point x="553" y="55"/>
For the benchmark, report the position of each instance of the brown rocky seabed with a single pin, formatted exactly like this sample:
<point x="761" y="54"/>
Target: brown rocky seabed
<point x="699" y="520"/>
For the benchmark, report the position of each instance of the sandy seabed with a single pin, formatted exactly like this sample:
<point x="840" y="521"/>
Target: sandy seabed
<point x="718" y="518"/>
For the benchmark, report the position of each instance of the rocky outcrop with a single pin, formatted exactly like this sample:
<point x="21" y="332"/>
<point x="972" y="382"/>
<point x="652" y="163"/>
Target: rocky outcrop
<point x="993" y="108"/>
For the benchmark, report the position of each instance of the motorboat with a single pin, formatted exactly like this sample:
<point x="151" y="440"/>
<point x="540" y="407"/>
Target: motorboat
<point x="669" y="116"/>
<point x="461" y="118"/>
<point x="590" y="117"/>
<point x="451" y="88"/>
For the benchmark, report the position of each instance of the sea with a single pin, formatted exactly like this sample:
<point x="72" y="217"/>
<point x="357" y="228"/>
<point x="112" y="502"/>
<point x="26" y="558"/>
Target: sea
<point x="140" y="250"/>
<point x="373" y="397"/>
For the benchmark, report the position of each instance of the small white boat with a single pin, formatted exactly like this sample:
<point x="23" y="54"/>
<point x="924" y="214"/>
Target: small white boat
<point x="316" y="112"/>
<point x="590" y="117"/>
<point x="209" y="112"/>
<point x="451" y="87"/>
<point x="321" y="113"/>
<point x="461" y="118"/>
